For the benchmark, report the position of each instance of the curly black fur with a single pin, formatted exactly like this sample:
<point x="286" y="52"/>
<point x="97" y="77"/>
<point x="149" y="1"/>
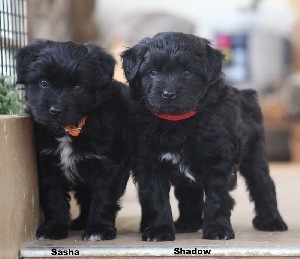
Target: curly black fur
<point x="65" y="81"/>
<point x="174" y="73"/>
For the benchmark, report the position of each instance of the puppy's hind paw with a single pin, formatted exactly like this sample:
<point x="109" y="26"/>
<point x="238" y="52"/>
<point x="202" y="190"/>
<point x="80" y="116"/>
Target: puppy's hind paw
<point x="219" y="233"/>
<point x="99" y="234"/>
<point x="182" y="226"/>
<point x="161" y="233"/>
<point x="78" y="224"/>
<point x="52" y="231"/>
<point x="269" y="223"/>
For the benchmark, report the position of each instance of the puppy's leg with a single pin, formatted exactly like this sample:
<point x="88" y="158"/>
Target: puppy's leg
<point x="101" y="220"/>
<point x="157" y="222"/>
<point x="254" y="167"/>
<point x="190" y="204"/>
<point x="106" y="187"/>
<point x="54" y="200"/>
<point x="83" y="200"/>
<point x="217" y="207"/>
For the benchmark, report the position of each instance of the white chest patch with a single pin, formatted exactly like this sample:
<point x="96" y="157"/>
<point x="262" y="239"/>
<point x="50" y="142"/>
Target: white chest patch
<point x="176" y="160"/>
<point x="67" y="158"/>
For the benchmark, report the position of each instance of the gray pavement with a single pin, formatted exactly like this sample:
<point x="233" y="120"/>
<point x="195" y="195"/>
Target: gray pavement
<point x="248" y="242"/>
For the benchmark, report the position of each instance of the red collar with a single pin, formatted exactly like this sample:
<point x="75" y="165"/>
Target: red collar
<point x="179" y="117"/>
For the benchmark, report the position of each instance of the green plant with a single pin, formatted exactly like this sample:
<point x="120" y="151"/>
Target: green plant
<point x="10" y="101"/>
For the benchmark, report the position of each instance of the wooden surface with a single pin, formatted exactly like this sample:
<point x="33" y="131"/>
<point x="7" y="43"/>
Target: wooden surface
<point x="19" y="202"/>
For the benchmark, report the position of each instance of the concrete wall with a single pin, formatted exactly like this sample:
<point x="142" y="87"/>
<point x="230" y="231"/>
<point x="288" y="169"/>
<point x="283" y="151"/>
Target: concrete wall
<point x="19" y="203"/>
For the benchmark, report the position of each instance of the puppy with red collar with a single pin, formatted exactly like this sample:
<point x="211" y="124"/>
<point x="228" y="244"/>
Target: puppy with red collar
<point x="193" y="130"/>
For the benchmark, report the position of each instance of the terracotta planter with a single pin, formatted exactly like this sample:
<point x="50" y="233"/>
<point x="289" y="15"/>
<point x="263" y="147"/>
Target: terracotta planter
<point x="19" y="203"/>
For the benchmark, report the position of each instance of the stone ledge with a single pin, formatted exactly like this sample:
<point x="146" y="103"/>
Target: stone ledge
<point x="248" y="243"/>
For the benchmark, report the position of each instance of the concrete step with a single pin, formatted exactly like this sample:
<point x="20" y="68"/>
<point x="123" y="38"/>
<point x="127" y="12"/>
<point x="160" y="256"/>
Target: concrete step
<point x="248" y="242"/>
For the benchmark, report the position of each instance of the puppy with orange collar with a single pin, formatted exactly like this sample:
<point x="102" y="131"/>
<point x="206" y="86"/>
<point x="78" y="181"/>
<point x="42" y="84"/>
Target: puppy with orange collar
<point x="80" y="116"/>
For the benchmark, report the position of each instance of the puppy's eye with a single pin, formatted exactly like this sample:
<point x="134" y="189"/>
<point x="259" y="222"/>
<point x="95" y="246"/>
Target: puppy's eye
<point x="78" y="88"/>
<point x="44" y="83"/>
<point x="153" y="72"/>
<point x="187" y="73"/>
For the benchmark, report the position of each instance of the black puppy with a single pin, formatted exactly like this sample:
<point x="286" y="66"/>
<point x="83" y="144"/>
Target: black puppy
<point x="191" y="129"/>
<point x="80" y="115"/>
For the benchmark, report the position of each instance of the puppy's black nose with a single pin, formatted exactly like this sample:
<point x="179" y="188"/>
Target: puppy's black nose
<point x="55" y="111"/>
<point x="168" y="95"/>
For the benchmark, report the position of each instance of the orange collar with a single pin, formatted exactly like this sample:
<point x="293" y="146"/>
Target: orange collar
<point x="75" y="131"/>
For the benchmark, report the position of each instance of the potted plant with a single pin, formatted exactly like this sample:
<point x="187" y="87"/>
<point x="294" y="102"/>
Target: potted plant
<point x="19" y="204"/>
<point x="10" y="101"/>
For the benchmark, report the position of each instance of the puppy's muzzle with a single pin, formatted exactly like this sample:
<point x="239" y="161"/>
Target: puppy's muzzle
<point x="169" y="94"/>
<point x="55" y="111"/>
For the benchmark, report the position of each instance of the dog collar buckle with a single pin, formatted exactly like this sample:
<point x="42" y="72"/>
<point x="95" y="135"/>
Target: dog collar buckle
<point x="75" y="131"/>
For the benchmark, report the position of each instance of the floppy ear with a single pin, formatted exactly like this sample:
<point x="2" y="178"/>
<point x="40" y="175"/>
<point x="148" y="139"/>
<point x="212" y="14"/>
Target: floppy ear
<point x="131" y="63"/>
<point x="214" y="59"/>
<point x="106" y="61"/>
<point x="25" y="56"/>
<point x="133" y="57"/>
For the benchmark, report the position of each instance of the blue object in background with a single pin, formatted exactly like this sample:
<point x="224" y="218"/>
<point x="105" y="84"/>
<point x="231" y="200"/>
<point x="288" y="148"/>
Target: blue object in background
<point x="236" y="65"/>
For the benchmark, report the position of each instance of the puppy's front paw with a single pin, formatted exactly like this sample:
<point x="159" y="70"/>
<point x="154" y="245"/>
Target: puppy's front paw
<point x="269" y="223"/>
<point x="161" y="233"/>
<point x="183" y="226"/>
<point x="52" y="231"/>
<point x="218" y="233"/>
<point x="100" y="233"/>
